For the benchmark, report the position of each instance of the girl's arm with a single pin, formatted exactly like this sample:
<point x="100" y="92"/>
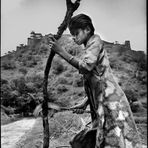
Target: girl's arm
<point x="54" y="45"/>
<point x="69" y="58"/>
<point x="87" y="64"/>
<point x="82" y="105"/>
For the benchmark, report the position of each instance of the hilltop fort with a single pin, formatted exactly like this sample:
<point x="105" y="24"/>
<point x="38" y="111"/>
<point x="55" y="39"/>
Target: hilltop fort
<point x="37" y="37"/>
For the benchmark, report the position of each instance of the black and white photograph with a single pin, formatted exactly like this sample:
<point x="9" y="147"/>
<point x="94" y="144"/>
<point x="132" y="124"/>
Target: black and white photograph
<point x="73" y="74"/>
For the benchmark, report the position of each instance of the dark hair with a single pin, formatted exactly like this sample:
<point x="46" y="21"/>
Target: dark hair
<point x="80" y="21"/>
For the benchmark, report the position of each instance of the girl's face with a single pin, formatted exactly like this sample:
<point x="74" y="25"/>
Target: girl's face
<point x="80" y="36"/>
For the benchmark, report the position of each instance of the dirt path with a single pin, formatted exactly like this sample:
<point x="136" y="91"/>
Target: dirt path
<point x="11" y="133"/>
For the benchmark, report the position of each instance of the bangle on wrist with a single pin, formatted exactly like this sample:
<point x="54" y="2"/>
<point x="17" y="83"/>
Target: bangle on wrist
<point x="71" y="58"/>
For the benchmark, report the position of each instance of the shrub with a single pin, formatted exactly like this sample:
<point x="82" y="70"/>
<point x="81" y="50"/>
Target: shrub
<point x="5" y="94"/>
<point x="143" y="93"/>
<point x="62" y="88"/>
<point x="23" y="71"/>
<point x="114" y="63"/>
<point x="142" y="64"/>
<point x="127" y="59"/>
<point x="68" y="74"/>
<point x="30" y="60"/>
<point x="3" y="81"/>
<point x="137" y="107"/>
<point x="16" y="95"/>
<point x="142" y="76"/>
<point x="22" y="104"/>
<point x="8" y="65"/>
<point x="58" y="67"/>
<point x="8" y="95"/>
<point x="78" y="81"/>
<point x="63" y="101"/>
<point x="131" y="96"/>
<point x="36" y="79"/>
<point x="63" y="80"/>
<point x="30" y="87"/>
<point x="136" y="56"/>
<point x="43" y="50"/>
<point x="19" y="85"/>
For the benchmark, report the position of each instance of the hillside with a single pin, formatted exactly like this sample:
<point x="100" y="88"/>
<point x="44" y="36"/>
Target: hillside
<point x="22" y="74"/>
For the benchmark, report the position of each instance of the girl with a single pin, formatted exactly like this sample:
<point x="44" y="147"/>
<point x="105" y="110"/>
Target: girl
<point x="112" y="121"/>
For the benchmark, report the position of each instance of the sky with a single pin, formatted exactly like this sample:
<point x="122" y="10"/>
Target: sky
<point x="114" y="20"/>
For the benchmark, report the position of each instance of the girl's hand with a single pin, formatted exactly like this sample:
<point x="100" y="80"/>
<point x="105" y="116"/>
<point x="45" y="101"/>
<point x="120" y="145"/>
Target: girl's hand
<point x="54" y="45"/>
<point x="78" y="111"/>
